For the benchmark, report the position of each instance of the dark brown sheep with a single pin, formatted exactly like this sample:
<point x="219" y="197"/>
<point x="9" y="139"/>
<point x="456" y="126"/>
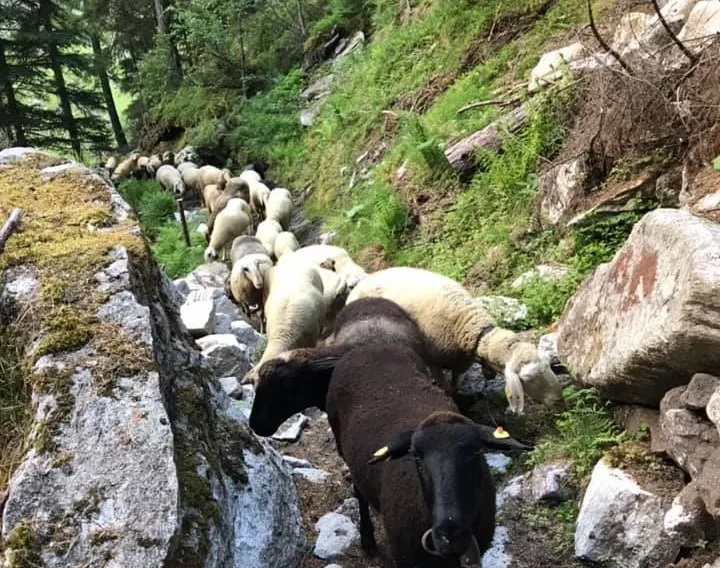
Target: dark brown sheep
<point x="299" y="379"/>
<point x="435" y="494"/>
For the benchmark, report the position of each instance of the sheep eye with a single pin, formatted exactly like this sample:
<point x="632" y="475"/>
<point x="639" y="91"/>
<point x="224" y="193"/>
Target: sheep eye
<point x="245" y="269"/>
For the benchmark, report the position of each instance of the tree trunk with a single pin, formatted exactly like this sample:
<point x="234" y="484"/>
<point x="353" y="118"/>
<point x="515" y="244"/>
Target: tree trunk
<point x="163" y="26"/>
<point x="461" y="155"/>
<point x="301" y="18"/>
<point x="12" y="109"/>
<point x="101" y="70"/>
<point x="67" y="116"/>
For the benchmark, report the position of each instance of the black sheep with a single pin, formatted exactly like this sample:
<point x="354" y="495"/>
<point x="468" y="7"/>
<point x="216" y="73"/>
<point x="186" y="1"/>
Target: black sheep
<point x="436" y="494"/>
<point x="299" y="379"/>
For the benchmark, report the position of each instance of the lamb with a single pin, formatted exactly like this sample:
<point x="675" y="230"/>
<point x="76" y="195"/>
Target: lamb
<point x="267" y="232"/>
<point x="299" y="379"/>
<point x="285" y="243"/>
<point x="170" y="179"/>
<point x="168" y="157"/>
<point x="278" y="206"/>
<point x="335" y="258"/>
<point x="126" y="167"/>
<point x="461" y="331"/>
<point x="294" y="309"/>
<point x="231" y="222"/>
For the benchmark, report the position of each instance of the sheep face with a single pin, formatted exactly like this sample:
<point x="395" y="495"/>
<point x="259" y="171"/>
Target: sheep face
<point x="210" y="254"/>
<point x="253" y="267"/>
<point x="178" y="188"/>
<point x="526" y="372"/>
<point x="288" y="384"/>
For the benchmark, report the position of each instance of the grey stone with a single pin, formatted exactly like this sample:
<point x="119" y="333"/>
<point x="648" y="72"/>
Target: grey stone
<point x="55" y="171"/>
<point x="547" y="348"/>
<point x="224" y="306"/>
<point x="687" y="521"/>
<point x="182" y="286"/>
<point x="117" y="484"/>
<point x="311" y="474"/>
<point x="223" y="324"/>
<point x="554" y="64"/>
<point x="247" y="335"/>
<point x="319" y="89"/>
<point x="19" y="283"/>
<point x="198" y="317"/>
<point x="549" y="482"/>
<point x="337" y="534"/>
<point x="513" y="489"/>
<point x="292" y="428"/>
<point x="225" y="355"/>
<point x="9" y="155"/>
<point x="641" y="311"/>
<point x="352" y="45"/>
<point x="621" y="525"/>
<point x="333" y="566"/>
<point x="232" y="387"/>
<point x="561" y="188"/>
<point x="699" y="390"/>
<point x="498" y="462"/>
<point x="496" y="556"/>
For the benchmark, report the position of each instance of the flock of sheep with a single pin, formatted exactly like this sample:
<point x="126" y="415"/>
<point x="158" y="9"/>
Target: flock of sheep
<point x="370" y="349"/>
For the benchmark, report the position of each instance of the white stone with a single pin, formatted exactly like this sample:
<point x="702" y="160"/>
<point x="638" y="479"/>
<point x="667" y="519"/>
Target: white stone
<point x="506" y="311"/>
<point x="337" y="534"/>
<point x="9" y="155"/>
<point x="548" y="349"/>
<point x="292" y="428"/>
<point x="231" y="386"/>
<point x="620" y="524"/>
<point x="513" y="489"/>
<point x="547" y="272"/>
<point x="225" y="355"/>
<point x="294" y="462"/>
<point x="551" y="65"/>
<point x="198" y="317"/>
<point x="311" y="474"/>
<point x="639" y="313"/>
<point x="496" y="556"/>
<point x="548" y="482"/>
<point x="350" y="508"/>
<point x="561" y="187"/>
<point x="702" y="26"/>
<point x="629" y="29"/>
<point x="498" y="462"/>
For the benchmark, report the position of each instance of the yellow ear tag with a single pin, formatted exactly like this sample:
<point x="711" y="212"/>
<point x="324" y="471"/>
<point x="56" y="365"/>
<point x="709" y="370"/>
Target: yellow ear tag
<point x="500" y="433"/>
<point x="381" y="453"/>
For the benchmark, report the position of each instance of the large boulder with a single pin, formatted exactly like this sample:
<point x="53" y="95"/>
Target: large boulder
<point x="135" y="456"/>
<point x="226" y="356"/>
<point x="622" y="525"/>
<point x="552" y="65"/>
<point x="647" y="321"/>
<point x="561" y="188"/>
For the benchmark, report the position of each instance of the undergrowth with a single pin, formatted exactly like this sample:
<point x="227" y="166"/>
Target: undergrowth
<point x="155" y="209"/>
<point x="583" y="431"/>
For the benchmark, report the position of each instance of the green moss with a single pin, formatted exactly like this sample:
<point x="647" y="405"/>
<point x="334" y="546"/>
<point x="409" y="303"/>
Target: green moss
<point x="67" y="329"/>
<point x="56" y="383"/>
<point x="22" y="546"/>
<point x="122" y="356"/>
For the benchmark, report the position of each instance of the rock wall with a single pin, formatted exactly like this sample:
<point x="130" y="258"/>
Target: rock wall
<point x="136" y="457"/>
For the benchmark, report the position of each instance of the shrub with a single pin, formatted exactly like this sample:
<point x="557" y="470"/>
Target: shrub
<point x="170" y="250"/>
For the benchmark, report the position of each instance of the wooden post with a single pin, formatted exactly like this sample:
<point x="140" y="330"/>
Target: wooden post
<point x="183" y="222"/>
<point x="9" y="227"/>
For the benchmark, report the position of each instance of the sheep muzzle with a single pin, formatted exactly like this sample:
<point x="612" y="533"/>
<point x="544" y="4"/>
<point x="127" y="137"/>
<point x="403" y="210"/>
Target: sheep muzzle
<point x="471" y="558"/>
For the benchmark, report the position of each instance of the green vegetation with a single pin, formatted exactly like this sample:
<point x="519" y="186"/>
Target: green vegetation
<point x="583" y="431"/>
<point x="155" y="209"/>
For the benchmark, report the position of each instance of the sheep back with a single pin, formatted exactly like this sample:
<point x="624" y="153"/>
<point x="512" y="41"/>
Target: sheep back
<point x="245" y="245"/>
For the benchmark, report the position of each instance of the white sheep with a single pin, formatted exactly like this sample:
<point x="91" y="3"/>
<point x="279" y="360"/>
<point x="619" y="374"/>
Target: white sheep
<point x="170" y="179"/>
<point x="294" y="309"/>
<point x="267" y="232"/>
<point x="231" y="222"/>
<point x="461" y="331"/>
<point x="126" y="167"/>
<point x="278" y="206"/>
<point x="183" y="166"/>
<point x="110" y="164"/>
<point x="153" y="165"/>
<point x="336" y="258"/>
<point x="210" y="194"/>
<point x="259" y="192"/>
<point x="285" y="242"/>
<point x="246" y="282"/>
<point x="244" y="246"/>
<point x="142" y="166"/>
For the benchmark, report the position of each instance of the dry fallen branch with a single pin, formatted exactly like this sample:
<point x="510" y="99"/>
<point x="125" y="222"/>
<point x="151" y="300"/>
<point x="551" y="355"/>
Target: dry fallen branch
<point x="10" y="226"/>
<point x="498" y="102"/>
<point x="462" y="154"/>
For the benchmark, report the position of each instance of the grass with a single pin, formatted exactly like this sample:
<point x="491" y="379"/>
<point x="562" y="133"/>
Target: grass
<point x="582" y="432"/>
<point x="155" y="209"/>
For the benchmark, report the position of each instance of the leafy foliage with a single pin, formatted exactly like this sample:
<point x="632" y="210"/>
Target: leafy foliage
<point x="584" y="430"/>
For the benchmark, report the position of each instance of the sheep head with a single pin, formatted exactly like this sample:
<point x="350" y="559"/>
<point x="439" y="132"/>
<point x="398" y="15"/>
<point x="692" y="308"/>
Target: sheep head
<point x="253" y="267"/>
<point x="448" y="450"/>
<point x="210" y="254"/>
<point x="178" y="188"/>
<point x="526" y="371"/>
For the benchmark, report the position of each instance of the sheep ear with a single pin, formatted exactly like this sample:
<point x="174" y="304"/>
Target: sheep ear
<point x="514" y="390"/>
<point x="490" y="439"/>
<point x="397" y="448"/>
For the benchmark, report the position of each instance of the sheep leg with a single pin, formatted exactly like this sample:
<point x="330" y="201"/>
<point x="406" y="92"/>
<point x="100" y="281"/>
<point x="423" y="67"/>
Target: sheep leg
<point x="367" y="532"/>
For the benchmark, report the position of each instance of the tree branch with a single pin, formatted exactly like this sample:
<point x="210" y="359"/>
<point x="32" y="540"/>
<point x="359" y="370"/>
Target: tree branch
<point x="10" y="226"/>
<point x="603" y="43"/>
<point x="675" y="38"/>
